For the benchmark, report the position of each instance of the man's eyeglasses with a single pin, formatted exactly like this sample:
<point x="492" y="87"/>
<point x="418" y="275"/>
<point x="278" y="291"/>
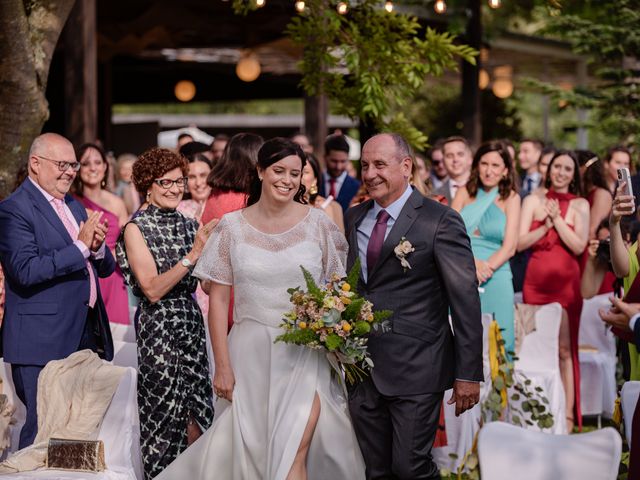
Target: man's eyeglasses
<point x="62" y="165"/>
<point x="167" y="183"/>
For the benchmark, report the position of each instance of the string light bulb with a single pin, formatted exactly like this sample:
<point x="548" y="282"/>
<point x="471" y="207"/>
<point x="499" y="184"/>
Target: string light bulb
<point x="300" y="6"/>
<point x="260" y="3"/>
<point x="342" y="8"/>
<point x="388" y="6"/>
<point x="495" y="3"/>
<point x="440" y="6"/>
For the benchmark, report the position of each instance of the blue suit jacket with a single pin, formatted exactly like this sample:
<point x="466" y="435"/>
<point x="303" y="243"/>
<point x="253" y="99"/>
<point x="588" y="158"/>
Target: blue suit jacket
<point x="47" y="281"/>
<point x="348" y="190"/>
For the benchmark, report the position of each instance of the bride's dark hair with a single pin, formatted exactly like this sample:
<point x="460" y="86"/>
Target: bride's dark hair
<point x="273" y="151"/>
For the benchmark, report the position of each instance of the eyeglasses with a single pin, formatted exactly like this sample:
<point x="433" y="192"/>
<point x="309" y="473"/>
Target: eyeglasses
<point x="62" y="165"/>
<point x="167" y="183"/>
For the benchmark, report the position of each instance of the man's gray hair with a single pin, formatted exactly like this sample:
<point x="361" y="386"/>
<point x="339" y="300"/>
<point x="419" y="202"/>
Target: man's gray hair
<point x="403" y="149"/>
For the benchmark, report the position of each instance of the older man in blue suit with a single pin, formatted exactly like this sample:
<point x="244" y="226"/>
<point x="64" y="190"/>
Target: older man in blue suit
<point x="52" y="254"/>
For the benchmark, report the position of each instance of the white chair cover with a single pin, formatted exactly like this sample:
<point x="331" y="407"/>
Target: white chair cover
<point x="125" y="354"/>
<point x="506" y="452"/>
<point x="597" y="368"/>
<point x="629" y="398"/>
<point x="120" y="433"/>
<point x="538" y="360"/>
<point x="462" y="430"/>
<point x="20" y="414"/>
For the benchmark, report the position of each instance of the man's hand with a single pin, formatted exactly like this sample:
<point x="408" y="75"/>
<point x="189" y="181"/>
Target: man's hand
<point x="99" y="235"/>
<point x="87" y="229"/>
<point x="619" y="314"/>
<point x="465" y="395"/>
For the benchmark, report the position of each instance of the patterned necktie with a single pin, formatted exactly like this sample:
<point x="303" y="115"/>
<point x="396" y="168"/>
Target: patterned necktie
<point x="376" y="240"/>
<point x="58" y="205"/>
<point x="332" y="187"/>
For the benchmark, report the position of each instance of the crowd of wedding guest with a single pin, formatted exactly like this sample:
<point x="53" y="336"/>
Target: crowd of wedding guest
<point x="551" y="225"/>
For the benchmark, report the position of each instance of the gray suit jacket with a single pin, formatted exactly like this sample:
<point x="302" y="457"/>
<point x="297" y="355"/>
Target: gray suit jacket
<point x="445" y="191"/>
<point x="420" y="354"/>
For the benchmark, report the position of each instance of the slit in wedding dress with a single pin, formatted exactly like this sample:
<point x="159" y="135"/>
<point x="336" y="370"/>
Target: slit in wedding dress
<point x="298" y="469"/>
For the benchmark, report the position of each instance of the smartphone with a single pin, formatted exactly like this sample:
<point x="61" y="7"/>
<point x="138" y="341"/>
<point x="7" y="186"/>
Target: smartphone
<point x="625" y="176"/>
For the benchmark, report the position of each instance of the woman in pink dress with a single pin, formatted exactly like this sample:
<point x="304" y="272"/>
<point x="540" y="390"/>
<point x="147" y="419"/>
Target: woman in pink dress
<point x="89" y="189"/>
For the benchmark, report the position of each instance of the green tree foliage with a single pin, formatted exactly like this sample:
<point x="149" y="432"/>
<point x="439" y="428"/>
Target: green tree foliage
<point x="437" y="109"/>
<point x="369" y="62"/>
<point x="608" y="34"/>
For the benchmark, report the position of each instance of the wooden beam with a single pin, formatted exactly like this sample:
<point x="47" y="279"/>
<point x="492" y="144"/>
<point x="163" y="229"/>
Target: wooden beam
<point x="81" y="73"/>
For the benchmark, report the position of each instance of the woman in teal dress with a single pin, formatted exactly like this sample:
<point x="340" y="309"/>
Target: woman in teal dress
<point x="490" y="207"/>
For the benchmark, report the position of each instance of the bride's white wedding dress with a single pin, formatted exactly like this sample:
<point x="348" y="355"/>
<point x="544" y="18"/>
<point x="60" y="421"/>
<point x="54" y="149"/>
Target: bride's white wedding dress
<point x="256" y="437"/>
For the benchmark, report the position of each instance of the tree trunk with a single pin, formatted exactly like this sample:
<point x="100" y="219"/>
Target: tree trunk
<point x="29" y="31"/>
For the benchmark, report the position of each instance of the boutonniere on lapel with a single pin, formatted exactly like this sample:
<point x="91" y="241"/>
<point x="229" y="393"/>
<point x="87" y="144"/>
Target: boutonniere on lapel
<point x="402" y="250"/>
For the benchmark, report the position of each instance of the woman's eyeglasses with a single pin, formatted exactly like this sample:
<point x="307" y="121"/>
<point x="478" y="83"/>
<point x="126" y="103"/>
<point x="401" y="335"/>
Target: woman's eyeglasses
<point x="167" y="183"/>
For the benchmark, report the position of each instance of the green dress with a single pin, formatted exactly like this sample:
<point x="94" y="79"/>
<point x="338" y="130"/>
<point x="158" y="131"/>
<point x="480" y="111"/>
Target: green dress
<point x="486" y="224"/>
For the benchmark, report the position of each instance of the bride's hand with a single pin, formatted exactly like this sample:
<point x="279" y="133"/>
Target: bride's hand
<point x="223" y="383"/>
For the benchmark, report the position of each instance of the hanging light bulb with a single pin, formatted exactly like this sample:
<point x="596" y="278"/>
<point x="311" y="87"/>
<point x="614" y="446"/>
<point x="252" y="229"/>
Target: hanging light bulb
<point x="440" y="6"/>
<point x="260" y="3"/>
<point x="342" y="8"/>
<point x="300" y="6"/>
<point x="495" y="3"/>
<point x="388" y="6"/>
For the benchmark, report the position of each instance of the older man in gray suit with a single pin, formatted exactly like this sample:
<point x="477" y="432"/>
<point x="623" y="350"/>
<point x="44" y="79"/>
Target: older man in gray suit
<point x="396" y="410"/>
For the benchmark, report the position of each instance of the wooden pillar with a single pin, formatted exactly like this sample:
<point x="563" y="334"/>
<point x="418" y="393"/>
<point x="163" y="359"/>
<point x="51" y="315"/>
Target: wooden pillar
<point x="316" y="110"/>
<point x="105" y="103"/>
<point x="471" y="106"/>
<point x="81" y="71"/>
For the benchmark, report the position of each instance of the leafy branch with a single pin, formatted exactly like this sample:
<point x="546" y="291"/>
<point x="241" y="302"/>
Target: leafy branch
<point x="369" y="62"/>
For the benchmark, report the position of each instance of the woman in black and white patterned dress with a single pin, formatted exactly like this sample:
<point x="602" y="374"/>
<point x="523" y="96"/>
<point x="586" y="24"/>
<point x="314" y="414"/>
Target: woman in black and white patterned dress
<point x="156" y="251"/>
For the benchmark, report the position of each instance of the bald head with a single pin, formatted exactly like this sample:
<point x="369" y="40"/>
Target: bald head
<point x="401" y="147"/>
<point x="386" y="167"/>
<point x="48" y="152"/>
<point x="43" y="144"/>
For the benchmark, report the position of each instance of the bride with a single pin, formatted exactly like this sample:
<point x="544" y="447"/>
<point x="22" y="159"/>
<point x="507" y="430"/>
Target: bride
<point x="280" y="414"/>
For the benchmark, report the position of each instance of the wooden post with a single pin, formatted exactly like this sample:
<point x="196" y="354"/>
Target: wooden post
<point x="471" y="106"/>
<point x="81" y="71"/>
<point x="315" y="123"/>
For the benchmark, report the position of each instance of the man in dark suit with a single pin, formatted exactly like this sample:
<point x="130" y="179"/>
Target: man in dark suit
<point x="625" y="316"/>
<point x="457" y="158"/>
<point x="395" y="411"/>
<point x="336" y="181"/>
<point x="52" y="255"/>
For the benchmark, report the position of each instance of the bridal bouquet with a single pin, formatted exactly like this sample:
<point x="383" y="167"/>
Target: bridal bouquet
<point x="334" y="318"/>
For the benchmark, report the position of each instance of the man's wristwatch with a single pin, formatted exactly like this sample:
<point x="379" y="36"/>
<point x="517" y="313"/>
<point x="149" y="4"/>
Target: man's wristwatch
<point x="186" y="262"/>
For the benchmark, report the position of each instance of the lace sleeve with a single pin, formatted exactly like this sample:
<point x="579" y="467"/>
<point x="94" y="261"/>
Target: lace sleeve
<point x="215" y="262"/>
<point x="334" y="247"/>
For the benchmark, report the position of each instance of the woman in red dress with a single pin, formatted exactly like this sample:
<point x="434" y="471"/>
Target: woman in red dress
<point x="556" y="228"/>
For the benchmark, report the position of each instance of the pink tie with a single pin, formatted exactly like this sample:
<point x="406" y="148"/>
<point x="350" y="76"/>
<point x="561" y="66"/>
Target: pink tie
<point x="73" y="233"/>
